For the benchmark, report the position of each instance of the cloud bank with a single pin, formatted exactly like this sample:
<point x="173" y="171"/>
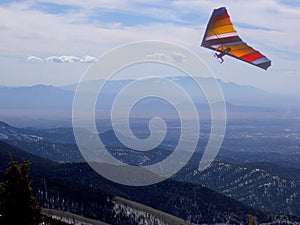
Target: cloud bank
<point x="63" y="59"/>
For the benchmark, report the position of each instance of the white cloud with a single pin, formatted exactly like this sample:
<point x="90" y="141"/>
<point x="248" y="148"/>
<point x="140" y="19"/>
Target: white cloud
<point x="88" y="59"/>
<point x="55" y="59"/>
<point x="173" y="57"/>
<point x="76" y="33"/>
<point x="34" y="59"/>
<point x="159" y="57"/>
<point x="63" y="59"/>
<point x="178" y="57"/>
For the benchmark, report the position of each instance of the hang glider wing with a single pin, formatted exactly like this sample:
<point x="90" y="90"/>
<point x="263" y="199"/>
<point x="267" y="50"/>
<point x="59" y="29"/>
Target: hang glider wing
<point x="223" y="38"/>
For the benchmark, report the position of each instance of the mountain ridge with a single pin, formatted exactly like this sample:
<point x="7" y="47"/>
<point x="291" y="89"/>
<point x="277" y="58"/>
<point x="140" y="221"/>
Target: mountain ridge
<point x="192" y="194"/>
<point x="40" y="103"/>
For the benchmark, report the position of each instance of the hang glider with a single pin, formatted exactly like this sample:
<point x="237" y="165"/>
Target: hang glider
<point x="221" y="37"/>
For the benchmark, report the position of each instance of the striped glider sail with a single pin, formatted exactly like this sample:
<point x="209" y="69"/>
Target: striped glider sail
<point x="223" y="38"/>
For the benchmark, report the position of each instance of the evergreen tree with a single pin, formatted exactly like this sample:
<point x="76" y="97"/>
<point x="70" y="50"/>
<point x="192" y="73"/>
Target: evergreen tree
<point x="17" y="205"/>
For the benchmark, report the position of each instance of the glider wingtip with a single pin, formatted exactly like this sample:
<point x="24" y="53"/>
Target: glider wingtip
<point x="266" y="65"/>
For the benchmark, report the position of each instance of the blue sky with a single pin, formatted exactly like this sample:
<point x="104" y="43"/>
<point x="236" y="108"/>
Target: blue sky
<point x="42" y="29"/>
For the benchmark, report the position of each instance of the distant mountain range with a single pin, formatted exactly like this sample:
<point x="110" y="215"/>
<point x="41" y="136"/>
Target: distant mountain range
<point x="42" y="101"/>
<point x="233" y="93"/>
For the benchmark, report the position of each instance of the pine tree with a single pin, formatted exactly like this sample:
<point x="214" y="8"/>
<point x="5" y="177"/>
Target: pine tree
<point x="17" y="205"/>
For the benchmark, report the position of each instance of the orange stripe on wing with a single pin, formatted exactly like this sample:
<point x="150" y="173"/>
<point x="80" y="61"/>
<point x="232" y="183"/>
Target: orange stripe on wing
<point x="242" y="52"/>
<point x="221" y="30"/>
<point x="219" y="23"/>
